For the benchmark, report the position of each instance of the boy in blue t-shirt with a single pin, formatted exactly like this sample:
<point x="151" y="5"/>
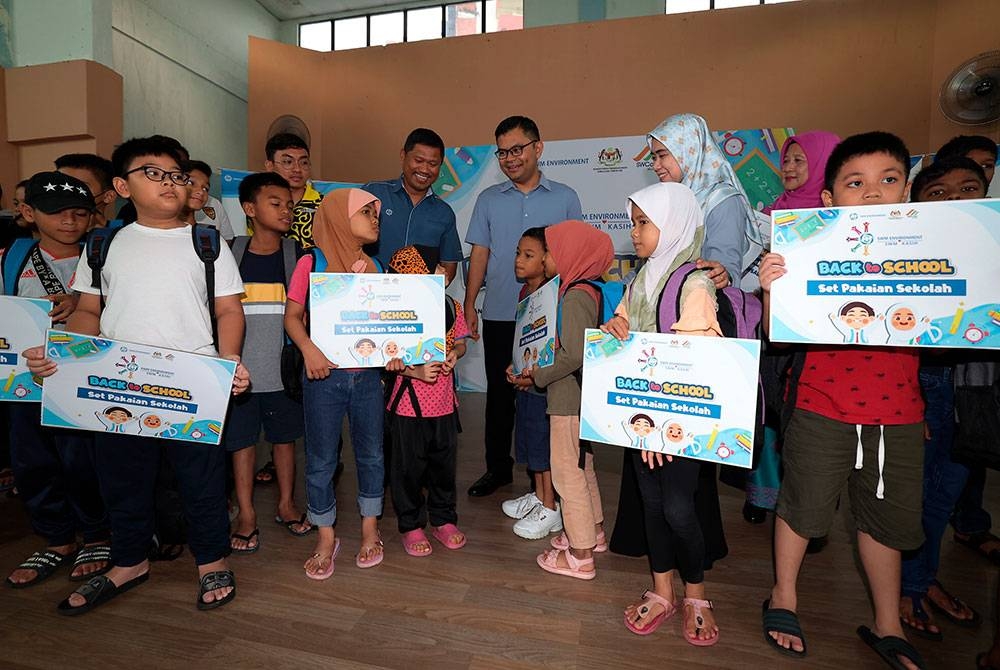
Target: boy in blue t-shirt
<point x="266" y="262"/>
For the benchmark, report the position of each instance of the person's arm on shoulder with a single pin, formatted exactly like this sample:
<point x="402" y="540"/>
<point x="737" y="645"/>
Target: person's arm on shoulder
<point x="578" y="313"/>
<point x="725" y="236"/>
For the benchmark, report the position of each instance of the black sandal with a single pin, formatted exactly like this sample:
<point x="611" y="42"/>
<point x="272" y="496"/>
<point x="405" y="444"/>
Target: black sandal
<point x="921" y="615"/>
<point x="301" y="521"/>
<point x="890" y="648"/>
<point x="974" y="622"/>
<point x="777" y="620"/>
<point x="44" y="563"/>
<point x="250" y="548"/>
<point x="98" y="553"/>
<point x="266" y="475"/>
<point x="219" y="579"/>
<point x="98" y="591"/>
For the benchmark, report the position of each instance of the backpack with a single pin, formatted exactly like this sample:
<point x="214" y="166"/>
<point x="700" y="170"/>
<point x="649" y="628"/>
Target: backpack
<point x="320" y="263"/>
<point x="15" y="257"/>
<point x="291" y="361"/>
<point x="611" y="293"/>
<point x="739" y="316"/>
<point x="205" y="239"/>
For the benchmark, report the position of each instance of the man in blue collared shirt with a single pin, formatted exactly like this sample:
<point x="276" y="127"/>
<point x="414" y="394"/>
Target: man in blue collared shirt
<point x="502" y="213"/>
<point x="411" y="212"/>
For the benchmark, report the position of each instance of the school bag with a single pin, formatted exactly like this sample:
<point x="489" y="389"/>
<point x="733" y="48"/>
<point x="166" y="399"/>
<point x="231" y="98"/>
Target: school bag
<point x="739" y="315"/>
<point x="205" y="239"/>
<point x="611" y="293"/>
<point x="16" y="257"/>
<point x="291" y="362"/>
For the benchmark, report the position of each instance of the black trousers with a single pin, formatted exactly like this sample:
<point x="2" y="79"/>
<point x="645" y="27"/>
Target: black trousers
<point x="127" y="466"/>
<point x="498" y="341"/>
<point x="424" y="454"/>
<point x="672" y="527"/>
<point x="56" y="479"/>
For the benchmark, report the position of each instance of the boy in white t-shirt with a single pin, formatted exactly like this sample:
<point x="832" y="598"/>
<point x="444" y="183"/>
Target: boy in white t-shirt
<point x="155" y="292"/>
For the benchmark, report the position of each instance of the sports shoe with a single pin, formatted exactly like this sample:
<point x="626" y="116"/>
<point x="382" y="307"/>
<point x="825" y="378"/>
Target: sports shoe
<point x="518" y="508"/>
<point x="539" y="522"/>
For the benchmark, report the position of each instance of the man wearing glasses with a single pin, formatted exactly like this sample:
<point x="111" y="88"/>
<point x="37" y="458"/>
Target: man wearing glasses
<point x="502" y="213"/>
<point x="288" y="155"/>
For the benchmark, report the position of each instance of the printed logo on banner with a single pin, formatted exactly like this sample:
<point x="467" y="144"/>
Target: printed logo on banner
<point x="610" y="159"/>
<point x="563" y="162"/>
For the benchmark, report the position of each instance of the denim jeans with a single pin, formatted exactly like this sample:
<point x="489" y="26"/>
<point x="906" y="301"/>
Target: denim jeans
<point x="943" y="479"/>
<point x="970" y="517"/>
<point x="358" y="394"/>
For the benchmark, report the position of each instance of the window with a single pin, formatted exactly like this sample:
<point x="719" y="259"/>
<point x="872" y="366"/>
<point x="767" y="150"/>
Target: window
<point x="450" y="19"/>
<point x="679" y="6"/>
<point x="316" y="36"/>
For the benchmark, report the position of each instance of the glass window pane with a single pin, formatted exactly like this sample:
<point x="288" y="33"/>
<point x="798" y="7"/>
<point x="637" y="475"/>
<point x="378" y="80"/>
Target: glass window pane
<point x="777" y="2"/>
<point x="350" y="33"/>
<point x="315" y="36"/>
<point x="728" y="4"/>
<point x="504" y="15"/>
<point x="463" y="18"/>
<point x="423" y="24"/>
<point x="680" y="6"/>
<point x="386" y="29"/>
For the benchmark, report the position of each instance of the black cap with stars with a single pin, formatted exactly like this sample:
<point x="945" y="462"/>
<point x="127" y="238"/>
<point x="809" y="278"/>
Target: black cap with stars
<point x="53" y="192"/>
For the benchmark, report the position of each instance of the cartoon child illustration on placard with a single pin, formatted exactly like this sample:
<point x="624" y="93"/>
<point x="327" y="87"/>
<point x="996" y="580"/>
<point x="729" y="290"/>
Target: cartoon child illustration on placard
<point x="534" y="357"/>
<point x="855" y="322"/>
<point x="153" y="424"/>
<point x="907" y="326"/>
<point x="390" y="349"/>
<point x="683" y="444"/>
<point x="640" y="428"/>
<point x="114" y="418"/>
<point x="526" y="363"/>
<point x="364" y="351"/>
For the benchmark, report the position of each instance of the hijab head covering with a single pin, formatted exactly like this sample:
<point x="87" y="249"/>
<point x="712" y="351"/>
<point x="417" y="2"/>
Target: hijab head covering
<point x="332" y="229"/>
<point x="674" y="210"/>
<point x="580" y="252"/>
<point x="817" y="145"/>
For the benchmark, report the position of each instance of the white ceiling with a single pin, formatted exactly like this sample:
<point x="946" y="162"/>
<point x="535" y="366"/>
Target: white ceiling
<point x="287" y="10"/>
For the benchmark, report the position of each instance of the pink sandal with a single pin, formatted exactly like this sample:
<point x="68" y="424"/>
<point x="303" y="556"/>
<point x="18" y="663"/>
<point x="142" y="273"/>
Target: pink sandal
<point x="371" y="561"/>
<point x="649" y="597"/>
<point x="549" y="561"/>
<point x="696" y="608"/>
<point x="326" y="574"/>
<point x="443" y="534"/>
<point x="415" y="537"/>
<point x="561" y="542"/>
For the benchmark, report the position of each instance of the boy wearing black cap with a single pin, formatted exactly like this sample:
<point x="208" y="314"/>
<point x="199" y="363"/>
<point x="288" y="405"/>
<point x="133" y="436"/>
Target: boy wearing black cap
<point x="54" y="468"/>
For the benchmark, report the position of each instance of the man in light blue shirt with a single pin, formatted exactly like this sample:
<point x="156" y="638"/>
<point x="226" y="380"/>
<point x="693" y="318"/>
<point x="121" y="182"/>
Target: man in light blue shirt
<point x="502" y="213"/>
<point x="411" y="212"/>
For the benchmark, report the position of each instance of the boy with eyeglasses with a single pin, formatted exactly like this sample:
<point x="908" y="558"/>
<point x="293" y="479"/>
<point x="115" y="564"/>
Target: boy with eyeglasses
<point x="156" y="293"/>
<point x="288" y="155"/>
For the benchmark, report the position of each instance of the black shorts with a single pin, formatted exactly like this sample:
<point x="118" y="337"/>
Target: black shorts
<point x="280" y="417"/>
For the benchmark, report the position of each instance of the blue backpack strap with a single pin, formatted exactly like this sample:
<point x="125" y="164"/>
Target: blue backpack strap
<point x="15" y="257"/>
<point x="208" y="244"/>
<point x="319" y="259"/>
<point x="96" y="250"/>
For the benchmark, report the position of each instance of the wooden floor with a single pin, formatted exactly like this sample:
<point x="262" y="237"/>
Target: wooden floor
<point x="486" y="606"/>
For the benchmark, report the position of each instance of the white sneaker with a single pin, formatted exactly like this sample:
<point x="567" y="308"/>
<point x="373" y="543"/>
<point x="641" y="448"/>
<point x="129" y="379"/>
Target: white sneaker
<point x="518" y="508"/>
<point x="539" y="522"/>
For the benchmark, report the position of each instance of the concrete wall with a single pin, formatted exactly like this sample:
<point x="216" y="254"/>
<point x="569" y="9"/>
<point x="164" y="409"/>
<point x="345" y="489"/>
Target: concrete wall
<point x="184" y="63"/>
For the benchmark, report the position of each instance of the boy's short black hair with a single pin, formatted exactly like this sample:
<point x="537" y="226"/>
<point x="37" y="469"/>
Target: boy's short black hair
<point x="181" y="149"/>
<point x="513" y="122"/>
<point x="424" y="136"/>
<point x="128" y="151"/>
<point x="284" y="141"/>
<point x="648" y="419"/>
<point x="940" y="168"/>
<point x="252" y="184"/>
<point x="536" y="233"/>
<point x="98" y="166"/>
<point x="961" y="145"/>
<point x="857" y="303"/>
<point x="863" y="144"/>
<point x="22" y="184"/>
<point x="200" y="166"/>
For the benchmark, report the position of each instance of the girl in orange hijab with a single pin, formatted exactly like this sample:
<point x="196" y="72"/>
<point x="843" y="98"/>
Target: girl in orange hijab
<point x="345" y="220"/>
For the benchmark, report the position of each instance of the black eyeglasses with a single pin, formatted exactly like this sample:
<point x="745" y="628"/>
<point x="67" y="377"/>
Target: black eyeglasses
<point x="160" y="175"/>
<point x="515" y="151"/>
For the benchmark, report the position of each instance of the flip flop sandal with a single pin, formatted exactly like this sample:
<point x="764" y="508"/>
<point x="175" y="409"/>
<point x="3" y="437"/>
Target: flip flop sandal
<point x="289" y="525"/>
<point x="975" y="541"/>
<point x="958" y="604"/>
<point x="697" y="606"/>
<point x="249" y="549"/>
<point x="890" y="647"/>
<point x="561" y="541"/>
<point x="920" y="614"/>
<point x="777" y="620"/>
<point x="443" y="534"/>
<point x="326" y="574"/>
<point x="219" y="579"/>
<point x="98" y="553"/>
<point x="414" y="537"/>
<point x="266" y="475"/>
<point x="98" y="591"/>
<point x="371" y="561"/>
<point x="549" y="561"/>
<point x="44" y="563"/>
<point x="669" y="609"/>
